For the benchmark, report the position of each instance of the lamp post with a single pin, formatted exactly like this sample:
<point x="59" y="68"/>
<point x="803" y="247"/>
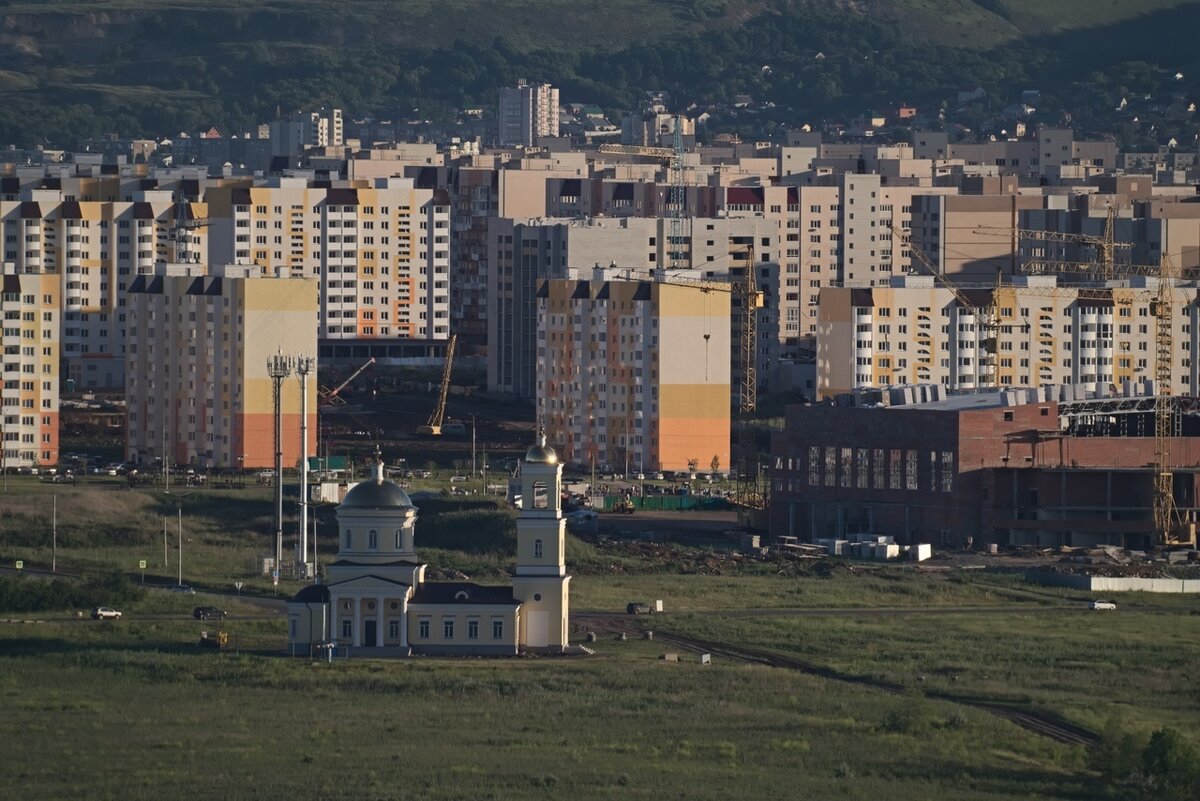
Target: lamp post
<point x="473" y="470"/>
<point x="279" y="367"/>
<point x="304" y="365"/>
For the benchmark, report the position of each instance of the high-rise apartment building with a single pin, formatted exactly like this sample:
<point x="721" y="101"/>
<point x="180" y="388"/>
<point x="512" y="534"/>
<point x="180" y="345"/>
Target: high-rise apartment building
<point x="634" y="375"/>
<point x="381" y="250"/>
<point x="527" y="112"/>
<point x="916" y="332"/>
<point x="521" y="253"/>
<point x="292" y="135"/>
<point x="96" y="247"/>
<point x="29" y="306"/>
<point x="196" y="381"/>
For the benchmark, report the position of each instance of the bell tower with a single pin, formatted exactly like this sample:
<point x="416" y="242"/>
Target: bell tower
<point x="541" y="582"/>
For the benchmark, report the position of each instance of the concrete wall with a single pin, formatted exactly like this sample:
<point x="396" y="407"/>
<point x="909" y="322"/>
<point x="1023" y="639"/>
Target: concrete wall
<point x="1107" y="584"/>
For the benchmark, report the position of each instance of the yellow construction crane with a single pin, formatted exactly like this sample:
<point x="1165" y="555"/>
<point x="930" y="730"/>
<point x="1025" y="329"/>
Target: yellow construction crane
<point x="664" y="153"/>
<point x="332" y="397"/>
<point x="1105" y="246"/>
<point x="434" y="426"/>
<point x="987" y="317"/>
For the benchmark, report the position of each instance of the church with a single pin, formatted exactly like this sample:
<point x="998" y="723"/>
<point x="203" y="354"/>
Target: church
<point x="375" y="601"/>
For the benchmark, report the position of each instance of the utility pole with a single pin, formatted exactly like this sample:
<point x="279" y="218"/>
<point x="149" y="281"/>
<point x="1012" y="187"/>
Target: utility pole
<point x="164" y="542"/>
<point x="473" y="471"/>
<point x="304" y="365"/>
<point x="54" y="535"/>
<point x="279" y="367"/>
<point x="179" y="510"/>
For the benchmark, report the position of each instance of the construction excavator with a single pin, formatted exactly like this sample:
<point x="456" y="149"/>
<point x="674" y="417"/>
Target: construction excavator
<point x="436" y="425"/>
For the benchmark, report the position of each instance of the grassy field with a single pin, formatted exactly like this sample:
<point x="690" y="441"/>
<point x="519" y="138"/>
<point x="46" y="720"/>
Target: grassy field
<point x="1135" y="664"/>
<point x="132" y="710"/>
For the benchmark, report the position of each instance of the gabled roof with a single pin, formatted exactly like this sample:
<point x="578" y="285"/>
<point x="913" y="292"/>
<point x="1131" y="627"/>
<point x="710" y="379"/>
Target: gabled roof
<point x="369" y="579"/>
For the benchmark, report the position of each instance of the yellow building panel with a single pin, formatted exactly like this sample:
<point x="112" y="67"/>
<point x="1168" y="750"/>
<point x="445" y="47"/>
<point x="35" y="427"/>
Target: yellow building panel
<point x="693" y="401"/>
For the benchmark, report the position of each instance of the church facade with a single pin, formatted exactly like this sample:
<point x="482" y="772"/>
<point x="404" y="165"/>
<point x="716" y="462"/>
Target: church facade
<point x="376" y="602"/>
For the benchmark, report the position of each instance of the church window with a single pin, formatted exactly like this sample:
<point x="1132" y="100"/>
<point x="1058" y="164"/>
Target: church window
<point x="373" y="540"/>
<point x="395" y="604"/>
<point x="399" y="538"/>
<point x="537" y="549"/>
<point x="537" y="596"/>
<point x="540" y="498"/>
<point x="394" y="629"/>
<point x="497" y="629"/>
<point x="448" y="628"/>
<point x="423" y="628"/>
<point x="348" y="540"/>
<point x="347" y="632"/>
<point x="293" y="622"/>
<point x="472" y="629"/>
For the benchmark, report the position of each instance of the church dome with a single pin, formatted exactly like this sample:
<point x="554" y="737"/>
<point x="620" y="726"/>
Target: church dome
<point x="541" y="453"/>
<point x="377" y="493"/>
<point x="373" y="494"/>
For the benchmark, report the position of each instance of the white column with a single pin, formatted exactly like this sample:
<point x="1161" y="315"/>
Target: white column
<point x="404" y="621"/>
<point x="379" y="624"/>
<point x="357" y="622"/>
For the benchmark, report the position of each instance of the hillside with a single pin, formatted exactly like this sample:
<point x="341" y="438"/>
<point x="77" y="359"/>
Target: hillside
<point x="70" y="68"/>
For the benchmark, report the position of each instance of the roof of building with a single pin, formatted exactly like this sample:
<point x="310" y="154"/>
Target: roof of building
<point x="540" y="452"/>
<point x="983" y="400"/>
<point x="312" y="594"/>
<point x="459" y="592"/>
<point x="377" y="492"/>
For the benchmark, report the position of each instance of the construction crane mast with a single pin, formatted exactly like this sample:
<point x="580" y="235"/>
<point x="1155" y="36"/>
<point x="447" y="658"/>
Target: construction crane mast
<point x="434" y="426"/>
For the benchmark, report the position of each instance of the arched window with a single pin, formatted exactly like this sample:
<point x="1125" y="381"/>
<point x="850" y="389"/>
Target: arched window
<point x="373" y="540"/>
<point x="348" y="539"/>
<point x="540" y="497"/>
<point x="537" y="549"/>
<point x="399" y="539"/>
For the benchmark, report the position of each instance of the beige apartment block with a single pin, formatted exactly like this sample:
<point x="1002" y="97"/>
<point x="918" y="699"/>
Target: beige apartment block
<point x="915" y="332"/>
<point x="29" y="306"/>
<point x="635" y="375"/>
<point x="196" y="382"/>
<point x="521" y="253"/>
<point x="527" y="111"/>
<point x="381" y="250"/>
<point x="96" y="247"/>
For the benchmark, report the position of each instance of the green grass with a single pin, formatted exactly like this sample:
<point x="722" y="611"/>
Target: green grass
<point x="133" y="710"/>
<point x="1086" y="666"/>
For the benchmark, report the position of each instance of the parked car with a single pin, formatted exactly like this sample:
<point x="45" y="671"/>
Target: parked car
<point x="638" y="608"/>
<point x="1109" y="605"/>
<point x="209" y="613"/>
<point x="105" y="613"/>
<point x="181" y="588"/>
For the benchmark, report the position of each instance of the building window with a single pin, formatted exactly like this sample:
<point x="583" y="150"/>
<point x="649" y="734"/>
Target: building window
<point x="910" y="470"/>
<point x="830" y="467"/>
<point x="394" y="629"/>
<point x="847" y="466"/>
<point x="540" y="496"/>
<point x="537" y="549"/>
<point x="947" y="471"/>
<point x="423" y="628"/>
<point x="814" y="466"/>
<point x="348" y="540"/>
<point x="497" y="629"/>
<point x="347" y="629"/>
<point x="472" y="629"/>
<point x="448" y="629"/>
<point x="399" y="538"/>
<point x="879" y="465"/>
<point x="863" y="466"/>
<point x="373" y="540"/>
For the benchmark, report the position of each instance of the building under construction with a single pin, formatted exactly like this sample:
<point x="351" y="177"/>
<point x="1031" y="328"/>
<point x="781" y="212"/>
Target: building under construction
<point x="1044" y="467"/>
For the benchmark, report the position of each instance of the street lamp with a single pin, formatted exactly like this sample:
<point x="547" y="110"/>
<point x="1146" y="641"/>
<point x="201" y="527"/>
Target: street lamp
<point x="179" y="512"/>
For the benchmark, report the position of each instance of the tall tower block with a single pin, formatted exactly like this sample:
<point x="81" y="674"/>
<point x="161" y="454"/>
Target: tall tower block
<point x="541" y="582"/>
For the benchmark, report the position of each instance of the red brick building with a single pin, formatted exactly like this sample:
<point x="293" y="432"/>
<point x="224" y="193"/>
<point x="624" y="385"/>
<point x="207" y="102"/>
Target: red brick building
<point x="969" y="469"/>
